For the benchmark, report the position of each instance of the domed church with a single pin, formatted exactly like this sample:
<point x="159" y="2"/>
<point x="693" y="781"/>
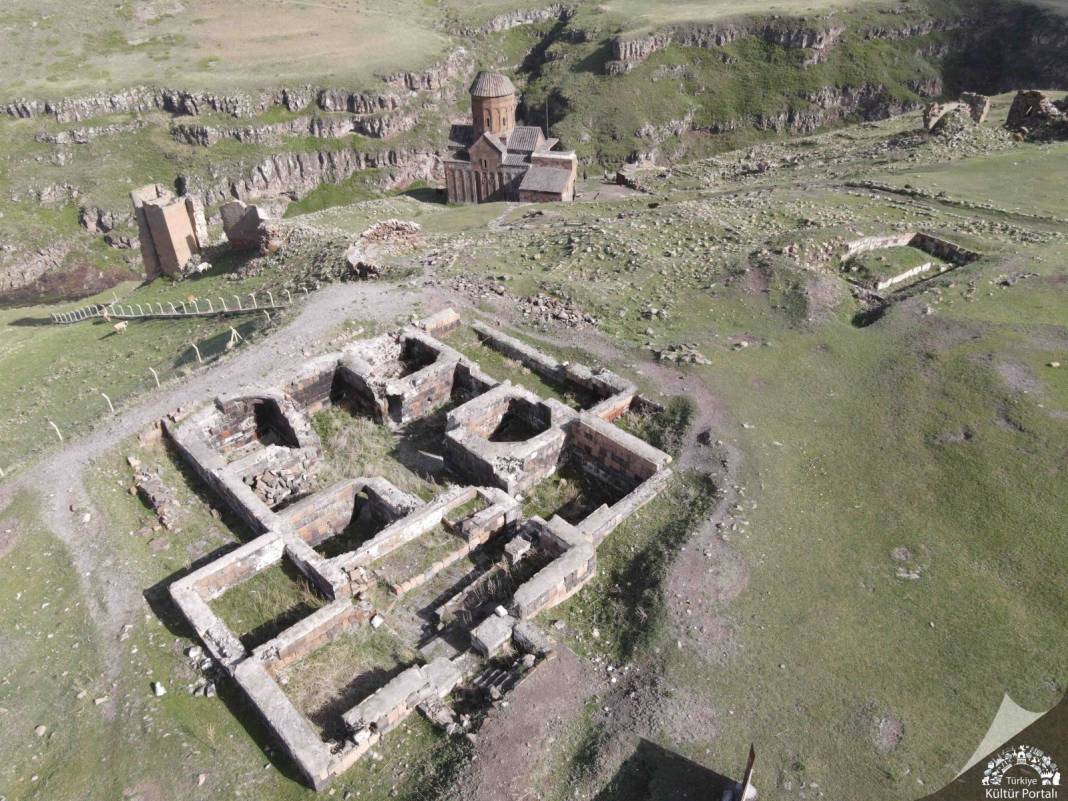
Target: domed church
<point x="495" y="159"/>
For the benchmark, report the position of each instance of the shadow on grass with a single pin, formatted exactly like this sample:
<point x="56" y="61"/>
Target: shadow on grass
<point x="427" y="194"/>
<point x="654" y="773"/>
<point x="244" y="712"/>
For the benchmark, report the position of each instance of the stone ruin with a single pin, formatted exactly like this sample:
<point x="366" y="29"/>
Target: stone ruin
<point x="250" y="226"/>
<point x="949" y="253"/>
<point x="171" y="230"/>
<point x="1036" y="115"/>
<point x="499" y="442"/>
<point x="975" y="107"/>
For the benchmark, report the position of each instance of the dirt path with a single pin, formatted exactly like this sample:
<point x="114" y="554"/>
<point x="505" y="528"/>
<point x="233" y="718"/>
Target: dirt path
<point x="513" y="741"/>
<point x="58" y="481"/>
<point x="516" y="740"/>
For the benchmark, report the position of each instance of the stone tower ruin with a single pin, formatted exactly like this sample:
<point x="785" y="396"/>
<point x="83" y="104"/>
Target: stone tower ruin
<point x="170" y="230"/>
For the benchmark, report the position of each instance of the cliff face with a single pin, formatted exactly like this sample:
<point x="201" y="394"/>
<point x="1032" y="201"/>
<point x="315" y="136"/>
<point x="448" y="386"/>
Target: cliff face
<point x="513" y="19"/>
<point x="187" y="103"/>
<point x="374" y="126"/>
<point x="995" y="47"/>
<point x="299" y="173"/>
<point x="627" y="50"/>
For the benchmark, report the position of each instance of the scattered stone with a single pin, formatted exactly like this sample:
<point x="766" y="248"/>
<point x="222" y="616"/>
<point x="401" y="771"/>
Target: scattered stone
<point x="158" y="689"/>
<point x="151" y="488"/>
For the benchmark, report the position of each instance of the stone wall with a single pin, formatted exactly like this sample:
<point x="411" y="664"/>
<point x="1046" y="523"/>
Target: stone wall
<point x="611" y="455"/>
<point x="605" y="393"/>
<point x="558" y="557"/>
<point x="556" y="582"/>
<point x="313" y="632"/>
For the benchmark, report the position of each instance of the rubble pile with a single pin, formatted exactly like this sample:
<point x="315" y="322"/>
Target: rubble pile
<point x="685" y="353"/>
<point x="151" y="488"/>
<point x="276" y="485"/>
<point x="548" y="310"/>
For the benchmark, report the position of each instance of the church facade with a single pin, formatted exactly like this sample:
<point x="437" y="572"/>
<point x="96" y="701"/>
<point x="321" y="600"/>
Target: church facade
<point x="495" y="159"/>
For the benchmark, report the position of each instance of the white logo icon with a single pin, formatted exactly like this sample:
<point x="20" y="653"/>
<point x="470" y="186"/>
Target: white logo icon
<point x="1021" y="755"/>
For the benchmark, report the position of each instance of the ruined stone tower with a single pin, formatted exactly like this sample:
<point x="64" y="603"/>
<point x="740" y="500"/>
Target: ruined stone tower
<point x="492" y="104"/>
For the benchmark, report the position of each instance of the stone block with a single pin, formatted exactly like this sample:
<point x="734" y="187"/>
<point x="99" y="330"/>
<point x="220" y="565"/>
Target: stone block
<point x="172" y="233"/>
<point x="530" y="638"/>
<point x="492" y="634"/>
<point x="241" y="225"/>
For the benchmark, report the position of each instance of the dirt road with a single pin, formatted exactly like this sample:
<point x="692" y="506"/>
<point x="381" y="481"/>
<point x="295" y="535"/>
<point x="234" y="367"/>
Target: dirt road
<point x="57" y="479"/>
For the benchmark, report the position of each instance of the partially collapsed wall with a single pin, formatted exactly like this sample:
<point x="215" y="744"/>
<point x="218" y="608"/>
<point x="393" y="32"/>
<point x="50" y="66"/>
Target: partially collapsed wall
<point x="499" y="440"/>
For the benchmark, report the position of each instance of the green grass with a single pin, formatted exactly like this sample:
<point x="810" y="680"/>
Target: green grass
<point x="356" y="446"/>
<point x="625" y="600"/>
<point x="878" y="265"/>
<point x="49" y="658"/>
<point x="1029" y="179"/>
<point x="416" y="557"/>
<point x="58" y="372"/>
<point x="272" y="42"/>
<point x="500" y="367"/>
<point x="358" y="187"/>
<point x="336" y="677"/>
<point x="263" y="606"/>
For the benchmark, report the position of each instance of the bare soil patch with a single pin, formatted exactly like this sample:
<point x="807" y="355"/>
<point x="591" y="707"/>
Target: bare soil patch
<point x="515" y="740"/>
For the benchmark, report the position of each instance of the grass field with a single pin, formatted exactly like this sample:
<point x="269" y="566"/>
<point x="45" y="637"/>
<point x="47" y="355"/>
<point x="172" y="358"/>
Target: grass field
<point x="894" y="560"/>
<point x="57" y="373"/>
<point x="209" y="45"/>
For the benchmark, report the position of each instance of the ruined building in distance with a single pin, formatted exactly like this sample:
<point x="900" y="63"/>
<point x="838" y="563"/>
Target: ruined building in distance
<point x="495" y="159"/>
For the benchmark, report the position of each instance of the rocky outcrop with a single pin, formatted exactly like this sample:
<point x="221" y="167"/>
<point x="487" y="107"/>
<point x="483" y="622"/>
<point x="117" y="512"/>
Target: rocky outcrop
<point x="297" y="174"/>
<point x="827" y="106"/>
<point x="356" y="102"/>
<point x="628" y="50"/>
<point x="458" y="63"/>
<point x="141" y="99"/>
<point x="18" y="268"/>
<point x="96" y="220"/>
<point x="192" y="104"/>
<point x="374" y="126"/>
<point x="85" y="135"/>
<point x="513" y="19"/>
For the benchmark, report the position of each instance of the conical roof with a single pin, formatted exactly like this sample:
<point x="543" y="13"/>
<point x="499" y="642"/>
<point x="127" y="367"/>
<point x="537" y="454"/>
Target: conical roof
<point x="491" y="84"/>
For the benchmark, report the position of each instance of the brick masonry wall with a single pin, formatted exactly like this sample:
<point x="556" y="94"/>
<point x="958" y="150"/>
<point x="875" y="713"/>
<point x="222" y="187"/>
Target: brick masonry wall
<point x="323" y="514"/>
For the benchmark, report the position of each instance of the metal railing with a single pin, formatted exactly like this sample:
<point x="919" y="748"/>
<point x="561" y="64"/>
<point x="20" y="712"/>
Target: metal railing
<point x="198" y="307"/>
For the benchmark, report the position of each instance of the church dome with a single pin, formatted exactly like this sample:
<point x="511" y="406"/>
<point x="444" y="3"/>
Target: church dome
<point x="491" y="84"/>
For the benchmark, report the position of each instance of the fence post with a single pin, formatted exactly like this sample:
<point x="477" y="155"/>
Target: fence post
<point x="109" y="403"/>
<point x="270" y="298"/>
<point x="155" y="375"/>
<point x="197" y="351"/>
<point x="211" y="308"/>
<point x="223" y="302"/>
<point x="56" y="429"/>
<point x="289" y="297"/>
<point x="253" y="296"/>
<point x="173" y="310"/>
<point x="238" y="299"/>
